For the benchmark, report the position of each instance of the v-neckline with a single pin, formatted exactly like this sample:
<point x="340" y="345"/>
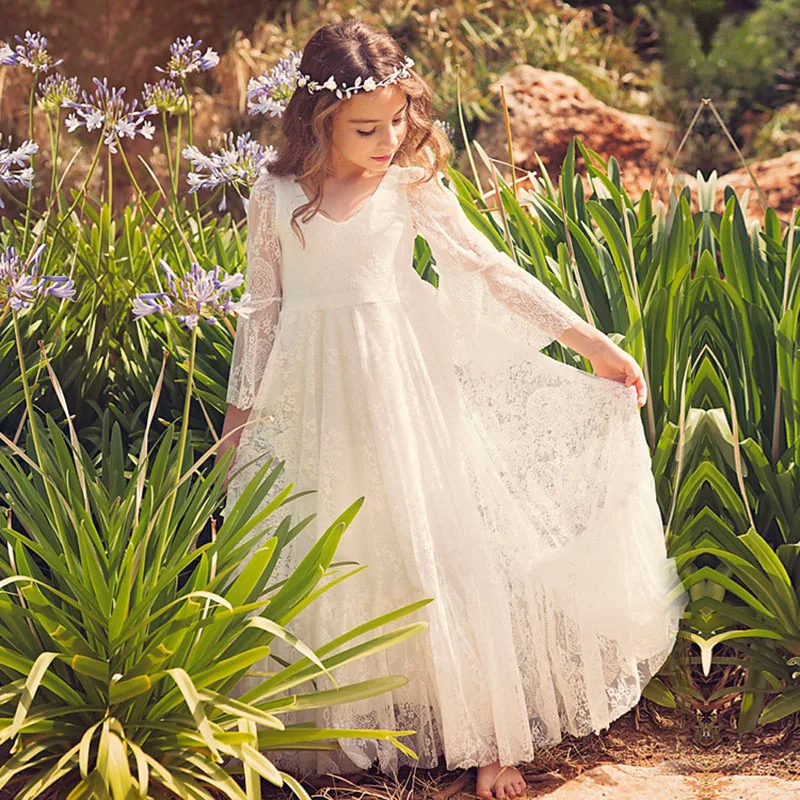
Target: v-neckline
<point x="363" y="206"/>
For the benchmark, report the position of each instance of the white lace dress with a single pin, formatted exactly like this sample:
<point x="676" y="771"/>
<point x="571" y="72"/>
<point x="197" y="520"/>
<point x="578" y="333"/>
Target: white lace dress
<point x="514" y="489"/>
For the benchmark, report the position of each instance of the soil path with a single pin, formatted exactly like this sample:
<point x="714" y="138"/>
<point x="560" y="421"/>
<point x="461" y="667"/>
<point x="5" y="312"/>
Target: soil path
<point x="651" y="753"/>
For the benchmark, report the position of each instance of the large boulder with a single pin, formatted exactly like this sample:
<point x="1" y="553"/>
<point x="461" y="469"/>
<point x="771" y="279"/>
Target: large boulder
<point x="546" y="109"/>
<point x="779" y="179"/>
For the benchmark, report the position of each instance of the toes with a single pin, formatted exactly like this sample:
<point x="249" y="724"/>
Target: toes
<point x="483" y="789"/>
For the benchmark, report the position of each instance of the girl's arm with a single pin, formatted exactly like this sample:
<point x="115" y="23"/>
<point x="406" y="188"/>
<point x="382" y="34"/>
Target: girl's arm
<point x="255" y="330"/>
<point x="234" y="417"/>
<point x="458" y="247"/>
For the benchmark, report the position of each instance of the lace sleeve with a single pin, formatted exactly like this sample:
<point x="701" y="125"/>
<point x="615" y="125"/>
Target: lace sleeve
<point x="457" y="244"/>
<point x="255" y="333"/>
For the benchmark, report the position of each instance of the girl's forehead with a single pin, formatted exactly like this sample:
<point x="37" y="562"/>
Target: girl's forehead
<point x="384" y="101"/>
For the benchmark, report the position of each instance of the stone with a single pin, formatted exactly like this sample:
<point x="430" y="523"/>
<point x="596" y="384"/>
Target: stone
<point x="546" y="109"/>
<point x="671" y="781"/>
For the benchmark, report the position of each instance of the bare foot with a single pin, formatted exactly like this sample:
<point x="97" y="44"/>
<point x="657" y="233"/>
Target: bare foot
<point x="500" y="782"/>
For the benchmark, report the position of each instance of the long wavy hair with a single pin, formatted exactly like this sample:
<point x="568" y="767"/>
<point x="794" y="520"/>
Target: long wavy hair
<point x="348" y="50"/>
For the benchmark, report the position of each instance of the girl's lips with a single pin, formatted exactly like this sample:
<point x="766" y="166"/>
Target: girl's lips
<point x="382" y="158"/>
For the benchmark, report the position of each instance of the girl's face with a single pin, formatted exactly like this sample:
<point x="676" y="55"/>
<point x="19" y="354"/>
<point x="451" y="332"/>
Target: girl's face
<point x="369" y="124"/>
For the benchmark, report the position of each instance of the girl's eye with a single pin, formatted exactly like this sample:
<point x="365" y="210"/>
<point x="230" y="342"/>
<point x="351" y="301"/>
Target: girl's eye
<point x="369" y="133"/>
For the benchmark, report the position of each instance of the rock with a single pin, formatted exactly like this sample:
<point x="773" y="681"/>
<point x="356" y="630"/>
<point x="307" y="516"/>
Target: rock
<point x="779" y="179"/>
<point x="546" y="109"/>
<point x="623" y="782"/>
<point x="671" y="781"/>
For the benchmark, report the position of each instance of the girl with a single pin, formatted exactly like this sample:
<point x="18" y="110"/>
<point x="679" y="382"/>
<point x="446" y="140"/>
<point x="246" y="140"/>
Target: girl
<point x="513" y="489"/>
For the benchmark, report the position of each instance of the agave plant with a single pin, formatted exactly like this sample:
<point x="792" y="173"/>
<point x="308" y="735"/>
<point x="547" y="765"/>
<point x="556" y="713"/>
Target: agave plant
<point x="127" y="617"/>
<point x="744" y="537"/>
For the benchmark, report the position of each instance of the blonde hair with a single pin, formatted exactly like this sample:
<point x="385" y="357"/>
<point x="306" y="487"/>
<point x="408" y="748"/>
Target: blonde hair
<point x="351" y="49"/>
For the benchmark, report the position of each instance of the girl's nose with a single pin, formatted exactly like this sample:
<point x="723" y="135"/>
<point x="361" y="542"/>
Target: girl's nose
<point x="390" y="141"/>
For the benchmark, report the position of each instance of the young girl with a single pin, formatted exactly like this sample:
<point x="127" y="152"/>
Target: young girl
<point x="513" y="489"/>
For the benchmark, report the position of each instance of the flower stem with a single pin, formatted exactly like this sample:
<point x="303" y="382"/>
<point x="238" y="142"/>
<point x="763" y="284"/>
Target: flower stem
<point x="168" y="152"/>
<point x="177" y="171"/>
<point x="178" y="464"/>
<point x="191" y="142"/>
<point x="52" y="154"/>
<point x="78" y="196"/>
<point x="56" y="153"/>
<point x="189" y="111"/>
<point x="26" y="390"/>
<point x="110" y="182"/>
<point x="37" y="444"/>
<point x="156" y="218"/>
<point x="188" y="399"/>
<point x="30" y="191"/>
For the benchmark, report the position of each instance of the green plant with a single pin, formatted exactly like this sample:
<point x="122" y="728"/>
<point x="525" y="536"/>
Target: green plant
<point x="127" y="618"/>
<point x="109" y="608"/>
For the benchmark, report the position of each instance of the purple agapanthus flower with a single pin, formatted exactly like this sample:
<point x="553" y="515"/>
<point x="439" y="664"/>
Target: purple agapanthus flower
<point x="54" y="90"/>
<point x="31" y="53"/>
<point x="14" y="166"/>
<point x="166" y="96"/>
<point x="186" y="57"/>
<point x="271" y="92"/>
<point x="199" y="293"/>
<point x="107" y="111"/>
<point x="19" y="287"/>
<point x="237" y="163"/>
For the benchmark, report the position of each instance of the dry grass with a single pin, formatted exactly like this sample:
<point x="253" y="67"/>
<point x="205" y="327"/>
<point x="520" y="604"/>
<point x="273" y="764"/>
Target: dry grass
<point x="646" y="736"/>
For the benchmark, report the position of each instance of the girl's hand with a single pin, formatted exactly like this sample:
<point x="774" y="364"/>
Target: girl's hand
<point x="232" y="441"/>
<point x="611" y="361"/>
<point x="234" y="417"/>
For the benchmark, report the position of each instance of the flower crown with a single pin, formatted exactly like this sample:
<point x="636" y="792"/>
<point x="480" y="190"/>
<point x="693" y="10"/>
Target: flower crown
<point x="368" y="85"/>
<point x="270" y="93"/>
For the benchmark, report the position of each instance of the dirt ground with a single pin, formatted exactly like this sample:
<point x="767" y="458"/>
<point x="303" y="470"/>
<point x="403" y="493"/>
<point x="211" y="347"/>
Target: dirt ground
<point x="647" y="736"/>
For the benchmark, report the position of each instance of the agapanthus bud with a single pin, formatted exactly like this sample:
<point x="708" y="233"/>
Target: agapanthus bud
<point x="54" y="90"/>
<point x="166" y="96"/>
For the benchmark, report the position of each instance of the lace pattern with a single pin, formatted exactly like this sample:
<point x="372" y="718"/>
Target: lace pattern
<point x="255" y="334"/>
<point x="463" y="253"/>
<point x="513" y="489"/>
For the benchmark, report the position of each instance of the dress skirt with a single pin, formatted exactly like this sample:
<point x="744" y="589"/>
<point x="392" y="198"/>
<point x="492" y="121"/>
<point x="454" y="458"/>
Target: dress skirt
<point x="519" y="496"/>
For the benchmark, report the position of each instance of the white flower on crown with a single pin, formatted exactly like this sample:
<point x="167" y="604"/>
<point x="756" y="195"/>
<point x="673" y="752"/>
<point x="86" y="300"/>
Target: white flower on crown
<point x="368" y="85"/>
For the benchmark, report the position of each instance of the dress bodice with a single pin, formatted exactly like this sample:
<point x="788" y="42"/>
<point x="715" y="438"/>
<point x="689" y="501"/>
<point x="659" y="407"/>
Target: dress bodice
<point x="348" y="262"/>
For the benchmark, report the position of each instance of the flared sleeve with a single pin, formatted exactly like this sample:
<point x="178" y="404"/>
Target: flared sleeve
<point x="489" y="296"/>
<point x="255" y="330"/>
